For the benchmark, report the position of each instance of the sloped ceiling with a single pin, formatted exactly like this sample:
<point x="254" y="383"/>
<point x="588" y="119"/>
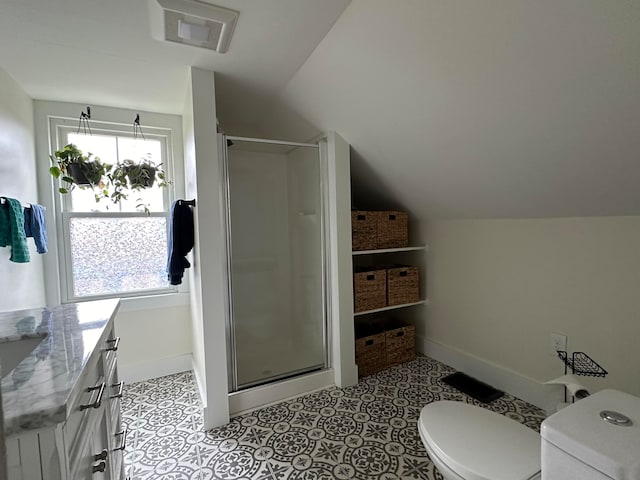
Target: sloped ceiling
<point x="479" y="109"/>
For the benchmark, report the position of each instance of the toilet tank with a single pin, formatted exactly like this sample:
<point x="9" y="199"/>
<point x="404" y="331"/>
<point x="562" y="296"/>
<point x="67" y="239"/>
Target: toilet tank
<point x="579" y="444"/>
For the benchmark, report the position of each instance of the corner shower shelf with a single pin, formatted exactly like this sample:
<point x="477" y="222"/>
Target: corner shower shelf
<point x="392" y="307"/>
<point x="389" y="250"/>
<point x="581" y="364"/>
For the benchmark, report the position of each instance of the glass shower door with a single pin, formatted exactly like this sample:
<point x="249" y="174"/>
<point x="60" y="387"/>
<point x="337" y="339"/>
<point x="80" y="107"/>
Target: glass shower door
<point x="277" y="262"/>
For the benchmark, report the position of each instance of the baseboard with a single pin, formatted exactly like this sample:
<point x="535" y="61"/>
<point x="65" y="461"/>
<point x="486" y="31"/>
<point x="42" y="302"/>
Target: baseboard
<point x="544" y="396"/>
<point x="247" y="400"/>
<point x="200" y="385"/>
<point x="159" y="367"/>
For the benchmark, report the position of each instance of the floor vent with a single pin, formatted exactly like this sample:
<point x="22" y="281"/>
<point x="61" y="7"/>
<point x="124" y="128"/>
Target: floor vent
<point x="472" y="387"/>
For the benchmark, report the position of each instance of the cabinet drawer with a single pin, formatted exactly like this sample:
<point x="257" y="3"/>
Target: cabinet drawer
<point x="90" y="392"/>
<point x="110" y="349"/>
<point x="92" y="458"/>
<point x="118" y="443"/>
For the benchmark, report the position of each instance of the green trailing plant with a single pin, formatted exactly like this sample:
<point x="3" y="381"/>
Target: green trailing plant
<point x="76" y="169"/>
<point x="134" y="176"/>
<point x="109" y="182"/>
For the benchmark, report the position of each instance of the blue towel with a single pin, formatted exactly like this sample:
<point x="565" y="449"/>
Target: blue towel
<point x="36" y="227"/>
<point x="180" y="241"/>
<point x="12" y="230"/>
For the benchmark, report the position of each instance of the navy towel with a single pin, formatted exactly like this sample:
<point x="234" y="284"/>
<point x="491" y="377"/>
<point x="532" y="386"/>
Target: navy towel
<point x="36" y="227"/>
<point x="180" y="242"/>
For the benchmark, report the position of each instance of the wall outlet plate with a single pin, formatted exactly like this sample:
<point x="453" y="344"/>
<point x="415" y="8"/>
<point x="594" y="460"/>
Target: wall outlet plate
<point x="558" y="342"/>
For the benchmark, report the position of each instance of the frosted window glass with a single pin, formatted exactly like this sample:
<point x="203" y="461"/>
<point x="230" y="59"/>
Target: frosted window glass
<point x="115" y="255"/>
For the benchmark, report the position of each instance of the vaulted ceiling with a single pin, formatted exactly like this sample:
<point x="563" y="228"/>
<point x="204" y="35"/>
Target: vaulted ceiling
<point x="476" y="109"/>
<point x="454" y="109"/>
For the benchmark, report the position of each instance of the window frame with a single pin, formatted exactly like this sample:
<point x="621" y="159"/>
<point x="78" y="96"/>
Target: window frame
<point x="59" y="128"/>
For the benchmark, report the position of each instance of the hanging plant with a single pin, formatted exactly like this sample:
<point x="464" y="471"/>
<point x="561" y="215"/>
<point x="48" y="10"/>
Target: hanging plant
<point x="76" y="169"/>
<point x="138" y="175"/>
<point x="131" y="176"/>
<point x="109" y="182"/>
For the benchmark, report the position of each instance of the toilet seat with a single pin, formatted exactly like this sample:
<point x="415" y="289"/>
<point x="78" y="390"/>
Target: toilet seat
<point x="478" y="444"/>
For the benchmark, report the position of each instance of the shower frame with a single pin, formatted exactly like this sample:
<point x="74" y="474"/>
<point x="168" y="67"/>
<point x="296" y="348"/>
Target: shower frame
<point x="232" y="360"/>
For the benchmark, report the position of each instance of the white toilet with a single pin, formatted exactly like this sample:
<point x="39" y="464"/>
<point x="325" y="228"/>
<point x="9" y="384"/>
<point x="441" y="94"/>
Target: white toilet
<point x="597" y="438"/>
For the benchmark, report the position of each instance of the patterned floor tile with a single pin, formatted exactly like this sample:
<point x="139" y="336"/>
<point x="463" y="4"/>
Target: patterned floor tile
<point x="364" y="432"/>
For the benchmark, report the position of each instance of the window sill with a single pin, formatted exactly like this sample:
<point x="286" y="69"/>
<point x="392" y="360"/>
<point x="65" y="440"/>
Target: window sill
<point x="150" y="302"/>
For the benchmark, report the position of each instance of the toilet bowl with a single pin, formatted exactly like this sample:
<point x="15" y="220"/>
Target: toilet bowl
<point x="466" y="442"/>
<point x="596" y="438"/>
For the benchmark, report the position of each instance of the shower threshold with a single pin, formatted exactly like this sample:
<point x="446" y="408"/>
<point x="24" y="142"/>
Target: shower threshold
<point x="277" y="391"/>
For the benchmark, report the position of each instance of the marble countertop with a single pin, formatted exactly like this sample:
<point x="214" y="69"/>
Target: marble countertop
<point x="36" y="393"/>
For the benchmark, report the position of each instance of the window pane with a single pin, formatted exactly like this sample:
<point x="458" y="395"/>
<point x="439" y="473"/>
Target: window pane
<point x="137" y="149"/>
<point x="104" y="147"/>
<point x="116" y="255"/>
<point x="113" y="150"/>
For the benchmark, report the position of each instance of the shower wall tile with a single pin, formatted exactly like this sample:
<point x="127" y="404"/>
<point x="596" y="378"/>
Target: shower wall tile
<point x="365" y="432"/>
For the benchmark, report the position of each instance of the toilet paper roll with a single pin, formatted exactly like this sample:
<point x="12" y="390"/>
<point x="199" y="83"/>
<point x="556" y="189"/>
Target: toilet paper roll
<point x="572" y="385"/>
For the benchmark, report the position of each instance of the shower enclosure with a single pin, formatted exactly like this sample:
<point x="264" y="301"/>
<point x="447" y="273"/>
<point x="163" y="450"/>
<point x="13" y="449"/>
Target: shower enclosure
<point x="277" y="324"/>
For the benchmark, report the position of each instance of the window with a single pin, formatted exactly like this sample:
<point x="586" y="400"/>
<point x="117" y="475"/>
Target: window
<point x="114" y="249"/>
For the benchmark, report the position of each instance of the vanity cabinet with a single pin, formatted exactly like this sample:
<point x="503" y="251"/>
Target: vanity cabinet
<point x="90" y="442"/>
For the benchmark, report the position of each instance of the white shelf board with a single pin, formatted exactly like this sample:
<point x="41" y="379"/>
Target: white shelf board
<point x="392" y="307"/>
<point x="389" y="250"/>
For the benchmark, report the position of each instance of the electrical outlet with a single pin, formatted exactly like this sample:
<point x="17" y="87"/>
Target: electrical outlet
<point x="558" y="342"/>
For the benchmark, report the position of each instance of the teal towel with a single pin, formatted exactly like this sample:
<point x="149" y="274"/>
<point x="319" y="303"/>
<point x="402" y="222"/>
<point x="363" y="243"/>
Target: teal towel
<point x="12" y="230"/>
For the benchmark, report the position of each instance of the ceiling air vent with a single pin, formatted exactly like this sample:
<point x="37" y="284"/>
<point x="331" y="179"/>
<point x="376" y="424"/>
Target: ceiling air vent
<point x="192" y="23"/>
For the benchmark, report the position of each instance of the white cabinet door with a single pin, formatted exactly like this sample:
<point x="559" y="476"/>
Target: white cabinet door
<point x="93" y="461"/>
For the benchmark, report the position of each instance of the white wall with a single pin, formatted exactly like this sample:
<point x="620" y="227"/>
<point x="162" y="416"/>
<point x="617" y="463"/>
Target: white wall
<point x="498" y="288"/>
<point x="208" y="272"/>
<point x="21" y="284"/>
<point x="340" y="271"/>
<point x="155" y="342"/>
<point x="154" y="330"/>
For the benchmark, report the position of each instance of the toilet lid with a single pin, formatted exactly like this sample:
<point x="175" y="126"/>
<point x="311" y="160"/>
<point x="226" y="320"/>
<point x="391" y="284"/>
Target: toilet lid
<point x="479" y="444"/>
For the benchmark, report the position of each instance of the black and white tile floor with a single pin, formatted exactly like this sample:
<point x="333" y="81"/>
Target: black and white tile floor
<point x="363" y="432"/>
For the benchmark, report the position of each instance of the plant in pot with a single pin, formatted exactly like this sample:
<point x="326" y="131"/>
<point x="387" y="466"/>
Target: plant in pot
<point x="135" y="176"/>
<point x="75" y="168"/>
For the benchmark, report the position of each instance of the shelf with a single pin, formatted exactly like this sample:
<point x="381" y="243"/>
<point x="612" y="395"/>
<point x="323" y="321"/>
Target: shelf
<point x="392" y="307"/>
<point x="581" y="364"/>
<point x="389" y="250"/>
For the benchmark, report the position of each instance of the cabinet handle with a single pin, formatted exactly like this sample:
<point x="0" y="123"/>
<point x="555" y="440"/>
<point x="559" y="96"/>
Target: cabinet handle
<point x="98" y="401"/>
<point x="124" y="440"/>
<point x="101" y="456"/>
<point x="114" y="347"/>
<point x="120" y="388"/>
<point x="101" y="467"/>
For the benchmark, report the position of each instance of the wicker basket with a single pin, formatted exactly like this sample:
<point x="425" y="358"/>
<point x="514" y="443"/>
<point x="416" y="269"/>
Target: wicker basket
<point x="400" y="344"/>
<point x="393" y="230"/>
<point x="369" y="289"/>
<point x="403" y="284"/>
<point x="370" y="354"/>
<point x="364" y="230"/>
